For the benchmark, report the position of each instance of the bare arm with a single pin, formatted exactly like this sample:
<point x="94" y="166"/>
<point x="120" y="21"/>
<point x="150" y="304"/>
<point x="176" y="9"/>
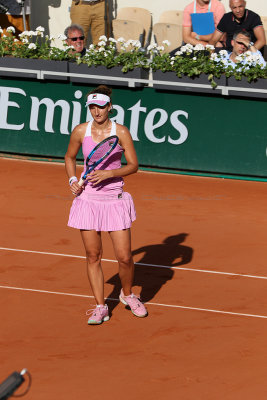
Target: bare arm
<point x="70" y="156"/>
<point x="260" y="36"/>
<point x="190" y="37"/>
<point x="216" y="37"/>
<point x="203" y="38"/>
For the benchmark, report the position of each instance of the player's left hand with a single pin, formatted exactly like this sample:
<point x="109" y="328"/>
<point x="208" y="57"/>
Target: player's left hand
<point x="98" y="176"/>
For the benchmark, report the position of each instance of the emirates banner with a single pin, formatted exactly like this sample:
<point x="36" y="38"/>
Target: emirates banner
<point x="176" y="131"/>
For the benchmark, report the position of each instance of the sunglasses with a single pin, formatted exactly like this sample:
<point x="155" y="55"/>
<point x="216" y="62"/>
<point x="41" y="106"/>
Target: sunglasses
<point x="241" y="43"/>
<point x="74" y="39"/>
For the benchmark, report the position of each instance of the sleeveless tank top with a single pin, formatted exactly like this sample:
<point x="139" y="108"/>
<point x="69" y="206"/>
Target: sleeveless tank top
<point x="113" y="161"/>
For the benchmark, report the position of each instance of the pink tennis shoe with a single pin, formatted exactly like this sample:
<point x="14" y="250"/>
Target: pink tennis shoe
<point x="98" y="315"/>
<point x="137" y="308"/>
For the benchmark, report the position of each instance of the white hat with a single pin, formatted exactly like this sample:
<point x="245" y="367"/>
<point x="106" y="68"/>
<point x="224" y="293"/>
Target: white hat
<point x="97" y="98"/>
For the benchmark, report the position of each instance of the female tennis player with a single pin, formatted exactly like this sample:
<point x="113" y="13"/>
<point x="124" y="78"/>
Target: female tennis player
<point x="101" y="204"/>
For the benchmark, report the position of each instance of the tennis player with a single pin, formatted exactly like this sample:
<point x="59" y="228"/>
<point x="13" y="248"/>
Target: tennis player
<point x="101" y="204"/>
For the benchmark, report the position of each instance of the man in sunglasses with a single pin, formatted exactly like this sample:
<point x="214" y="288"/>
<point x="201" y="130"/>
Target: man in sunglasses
<point x="75" y="38"/>
<point x="237" y="19"/>
<point x="241" y="44"/>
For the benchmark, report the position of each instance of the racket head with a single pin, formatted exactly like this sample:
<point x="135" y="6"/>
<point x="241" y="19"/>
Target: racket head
<point x="98" y="154"/>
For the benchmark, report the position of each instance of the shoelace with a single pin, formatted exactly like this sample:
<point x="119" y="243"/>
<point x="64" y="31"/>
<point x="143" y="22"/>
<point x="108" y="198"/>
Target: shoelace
<point x="94" y="311"/>
<point x="134" y="300"/>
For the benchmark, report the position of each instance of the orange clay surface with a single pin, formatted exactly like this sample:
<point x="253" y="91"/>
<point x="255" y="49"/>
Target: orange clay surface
<point x="183" y="349"/>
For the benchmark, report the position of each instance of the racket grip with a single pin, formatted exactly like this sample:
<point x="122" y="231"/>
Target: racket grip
<point x="81" y="182"/>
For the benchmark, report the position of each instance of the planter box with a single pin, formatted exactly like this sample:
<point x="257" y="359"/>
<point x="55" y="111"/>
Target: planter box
<point x="200" y="80"/>
<point x="259" y="84"/>
<point x="32" y="64"/>
<point x="100" y="70"/>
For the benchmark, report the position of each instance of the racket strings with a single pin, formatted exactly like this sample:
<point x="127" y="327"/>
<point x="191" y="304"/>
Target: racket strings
<point x="101" y="151"/>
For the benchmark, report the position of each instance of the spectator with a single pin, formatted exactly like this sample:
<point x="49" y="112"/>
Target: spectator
<point x="239" y="18"/>
<point x="90" y="14"/>
<point x="15" y="13"/>
<point x="244" y="51"/>
<point x="200" y="20"/>
<point x="75" y="37"/>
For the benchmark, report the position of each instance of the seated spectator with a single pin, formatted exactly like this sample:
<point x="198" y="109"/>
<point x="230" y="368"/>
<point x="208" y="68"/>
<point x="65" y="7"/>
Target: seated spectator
<point x="244" y="51"/>
<point x="200" y="19"/>
<point x="239" y="18"/>
<point x="75" y="37"/>
<point x="12" y="13"/>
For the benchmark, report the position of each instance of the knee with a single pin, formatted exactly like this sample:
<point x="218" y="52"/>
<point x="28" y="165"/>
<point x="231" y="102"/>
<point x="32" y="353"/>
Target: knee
<point x="125" y="259"/>
<point x="93" y="256"/>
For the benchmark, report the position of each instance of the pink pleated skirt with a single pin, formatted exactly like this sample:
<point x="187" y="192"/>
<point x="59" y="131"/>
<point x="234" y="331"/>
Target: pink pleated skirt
<point x="102" y="212"/>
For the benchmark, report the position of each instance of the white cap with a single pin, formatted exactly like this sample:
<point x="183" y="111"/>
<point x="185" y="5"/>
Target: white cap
<point x="97" y="98"/>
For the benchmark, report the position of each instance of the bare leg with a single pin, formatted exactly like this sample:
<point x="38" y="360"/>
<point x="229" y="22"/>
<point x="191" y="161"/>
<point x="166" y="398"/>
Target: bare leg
<point x="93" y="248"/>
<point x="122" y="246"/>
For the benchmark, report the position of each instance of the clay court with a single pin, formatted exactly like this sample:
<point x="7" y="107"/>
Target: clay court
<point x="200" y="250"/>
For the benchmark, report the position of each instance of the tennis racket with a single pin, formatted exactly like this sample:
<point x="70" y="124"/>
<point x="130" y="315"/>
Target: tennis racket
<point x="98" y="154"/>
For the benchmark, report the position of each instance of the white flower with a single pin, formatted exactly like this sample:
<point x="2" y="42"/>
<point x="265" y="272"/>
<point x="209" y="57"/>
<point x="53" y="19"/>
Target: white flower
<point x="102" y="43"/>
<point x="1" y="30"/>
<point x="186" y="49"/>
<point x="210" y="47"/>
<point x="178" y="53"/>
<point x="32" y="46"/>
<point x="40" y="29"/>
<point x="25" y="40"/>
<point x="103" y="38"/>
<point x="223" y="53"/>
<point x="194" y="58"/>
<point x="121" y="40"/>
<point x="32" y="33"/>
<point x="10" y="29"/>
<point x="199" y="46"/>
<point x="213" y="56"/>
<point x="151" y="47"/>
<point x="166" y="43"/>
<point x="189" y="46"/>
<point x="160" y="48"/>
<point x="124" y="46"/>
<point x="101" y="49"/>
<point x="112" y="40"/>
<point x="239" y="58"/>
<point x="51" y="37"/>
<point x="136" y="44"/>
<point x="25" y="33"/>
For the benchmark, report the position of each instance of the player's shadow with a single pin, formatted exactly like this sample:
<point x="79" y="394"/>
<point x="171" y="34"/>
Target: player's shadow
<point x="154" y="270"/>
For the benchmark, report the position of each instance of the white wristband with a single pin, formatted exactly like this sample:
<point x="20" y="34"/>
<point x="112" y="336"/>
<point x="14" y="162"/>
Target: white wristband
<point x="73" y="179"/>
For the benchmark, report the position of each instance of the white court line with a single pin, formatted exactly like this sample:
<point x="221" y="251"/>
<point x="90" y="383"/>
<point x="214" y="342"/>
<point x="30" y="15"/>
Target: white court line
<point x="137" y="263"/>
<point x="148" y="303"/>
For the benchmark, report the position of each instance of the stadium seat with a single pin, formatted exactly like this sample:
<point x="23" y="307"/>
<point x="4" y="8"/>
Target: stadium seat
<point x="127" y="30"/>
<point x="264" y="22"/>
<point x="171" y="32"/>
<point x="172" y="17"/>
<point x="141" y="16"/>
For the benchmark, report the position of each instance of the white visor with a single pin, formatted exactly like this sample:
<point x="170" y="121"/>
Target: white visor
<point x="98" y="99"/>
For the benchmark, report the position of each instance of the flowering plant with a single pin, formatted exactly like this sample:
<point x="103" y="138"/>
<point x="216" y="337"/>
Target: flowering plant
<point x="189" y="61"/>
<point x="193" y="61"/>
<point x="33" y="44"/>
<point x="106" y="53"/>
